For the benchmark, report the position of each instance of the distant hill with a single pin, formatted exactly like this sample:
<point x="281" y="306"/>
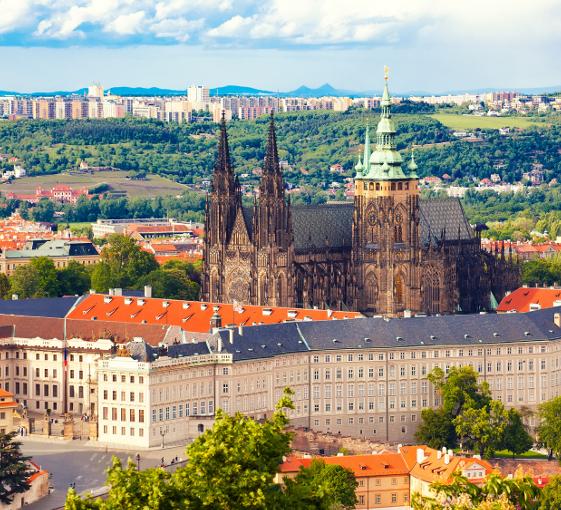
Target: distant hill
<point x="239" y="90"/>
<point x="304" y="91"/>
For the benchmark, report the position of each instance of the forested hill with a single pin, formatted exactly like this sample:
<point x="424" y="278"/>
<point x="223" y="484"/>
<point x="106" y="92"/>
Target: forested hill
<point x="309" y="141"/>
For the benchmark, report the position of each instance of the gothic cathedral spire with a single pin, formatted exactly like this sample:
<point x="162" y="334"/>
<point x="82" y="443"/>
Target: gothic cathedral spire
<point x="272" y="183"/>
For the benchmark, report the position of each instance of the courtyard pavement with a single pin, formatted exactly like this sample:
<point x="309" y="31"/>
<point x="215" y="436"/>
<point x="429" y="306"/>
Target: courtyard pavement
<point x="77" y="462"/>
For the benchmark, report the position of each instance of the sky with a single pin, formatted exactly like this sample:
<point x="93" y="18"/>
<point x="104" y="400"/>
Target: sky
<point x="429" y="45"/>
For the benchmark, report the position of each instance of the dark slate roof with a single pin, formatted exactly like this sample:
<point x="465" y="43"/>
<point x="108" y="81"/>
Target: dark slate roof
<point x="263" y="341"/>
<point x="187" y="349"/>
<point x="443" y="215"/>
<point x="321" y="226"/>
<point x="318" y="226"/>
<point x="142" y="351"/>
<point x="431" y="331"/>
<point x="461" y="330"/>
<point x="40" y="307"/>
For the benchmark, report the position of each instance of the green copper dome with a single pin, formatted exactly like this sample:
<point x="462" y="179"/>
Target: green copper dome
<point x="385" y="162"/>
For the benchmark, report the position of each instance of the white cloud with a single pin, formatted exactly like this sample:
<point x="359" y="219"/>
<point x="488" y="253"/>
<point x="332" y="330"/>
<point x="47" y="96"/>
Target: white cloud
<point x="286" y="23"/>
<point x="126" y="24"/>
<point x="14" y="14"/>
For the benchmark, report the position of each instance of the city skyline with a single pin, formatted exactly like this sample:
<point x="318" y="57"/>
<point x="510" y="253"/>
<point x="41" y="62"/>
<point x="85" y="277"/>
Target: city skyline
<point x="276" y="45"/>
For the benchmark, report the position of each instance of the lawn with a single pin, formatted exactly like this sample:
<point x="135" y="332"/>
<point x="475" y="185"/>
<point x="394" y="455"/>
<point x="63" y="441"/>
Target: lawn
<point x="152" y="186"/>
<point x="506" y="454"/>
<point x="455" y="121"/>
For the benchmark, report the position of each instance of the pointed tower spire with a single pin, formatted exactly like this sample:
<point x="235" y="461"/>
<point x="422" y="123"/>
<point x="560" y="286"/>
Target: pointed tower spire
<point x="412" y="166"/>
<point x="271" y="182"/>
<point x="224" y="181"/>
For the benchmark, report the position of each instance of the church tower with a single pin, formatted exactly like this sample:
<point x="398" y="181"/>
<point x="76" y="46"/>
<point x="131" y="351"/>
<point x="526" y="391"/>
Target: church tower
<point x="386" y="245"/>
<point x="223" y="203"/>
<point x="273" y="237"/>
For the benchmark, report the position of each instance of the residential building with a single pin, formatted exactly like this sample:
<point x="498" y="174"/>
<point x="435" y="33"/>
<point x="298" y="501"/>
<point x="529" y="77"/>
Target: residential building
<point x="95" y="90"/>
<point x="383" y="479"/>
<point x="38" y="488"/>
<point x="388" y="481"/>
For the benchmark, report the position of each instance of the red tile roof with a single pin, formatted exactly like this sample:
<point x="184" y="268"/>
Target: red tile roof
<point x="385" y="464"/>
<point x="190" y="315"/>
<point x="520" y="299"/>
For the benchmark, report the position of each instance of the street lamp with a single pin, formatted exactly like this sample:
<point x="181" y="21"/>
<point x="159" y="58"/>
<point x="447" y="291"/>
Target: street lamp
<point x="138" y="461"/>
<point x="163" y="434"/>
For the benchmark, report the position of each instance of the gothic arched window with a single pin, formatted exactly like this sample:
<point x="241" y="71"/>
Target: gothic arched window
<point x="371" y="291"/>
<point x="398" y="234"/>
<point x="398" y="290"/>
<point x="431" y="291"/>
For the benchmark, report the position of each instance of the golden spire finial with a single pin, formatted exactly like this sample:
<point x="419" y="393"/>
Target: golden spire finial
<point x="386" y="73"/>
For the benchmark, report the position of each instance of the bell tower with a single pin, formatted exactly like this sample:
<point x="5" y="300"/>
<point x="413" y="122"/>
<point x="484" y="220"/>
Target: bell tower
<point x="386" y="246"/>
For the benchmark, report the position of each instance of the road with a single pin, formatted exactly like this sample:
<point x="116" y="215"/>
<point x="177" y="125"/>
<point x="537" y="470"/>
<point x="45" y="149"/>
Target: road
<point x="75" y="462"/>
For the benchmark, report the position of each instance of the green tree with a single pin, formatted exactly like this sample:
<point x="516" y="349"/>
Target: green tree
<point x="549" y="429"/>
<point x="102" y="280"/>
<point x="515" y="436"/>
<point x="551" y="494"/>
<point x="233" y="464"/>
<point x="14" y="470"/>
<point x="436" y="428"/>
<point x="25" y="281"/>
<point x="126" y="261"/>
<point x="47" y="282"/>
<point x="4" y="286"/>
<point x="459" y="390"/>
<point x="322" y="487"/>
<point x="496" y="493"/>
<point x="44" y="210"/>
<point x="73" y="279"/>
<point x="130" y="489"/>
<point x="482" y="429"/>
<point x="171" y="284"/>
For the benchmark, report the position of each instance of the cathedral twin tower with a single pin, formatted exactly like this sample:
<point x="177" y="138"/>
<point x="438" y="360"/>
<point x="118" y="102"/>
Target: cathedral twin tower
<point x="386" y="253"/>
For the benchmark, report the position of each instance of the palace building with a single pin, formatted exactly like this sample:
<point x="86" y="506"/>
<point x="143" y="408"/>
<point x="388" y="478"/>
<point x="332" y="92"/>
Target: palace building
<point x="388" y="253"/>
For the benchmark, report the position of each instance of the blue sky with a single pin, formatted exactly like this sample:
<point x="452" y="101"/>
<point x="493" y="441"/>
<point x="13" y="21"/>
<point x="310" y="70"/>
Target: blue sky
<point x="432" y="45"/>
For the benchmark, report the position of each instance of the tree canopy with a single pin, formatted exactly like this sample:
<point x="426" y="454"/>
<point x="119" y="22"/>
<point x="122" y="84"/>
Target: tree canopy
<point x="230" y="466"/>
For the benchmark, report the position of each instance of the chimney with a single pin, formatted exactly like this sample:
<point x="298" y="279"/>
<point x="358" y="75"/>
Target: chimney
<point x="148" y="291"/>
<point x="117" y="292"/>
<point x="446" y="459"/>
<point x="556" y="319"/>
<point x="420" y="455"/>
<point x="450" y="452"/>
<point x="231" y="333"/>
<point x="240" y="330"/>
<point x="219" y="343"/>
<point x="92" y="291"/>
<point x="15" y="297"/>
<point x="438" y="454"/>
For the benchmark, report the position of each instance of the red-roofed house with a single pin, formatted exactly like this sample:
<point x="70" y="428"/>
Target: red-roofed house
<point x="389" y="480"/>
<point x="383" y="479"/>
<point x="527" y="299"/>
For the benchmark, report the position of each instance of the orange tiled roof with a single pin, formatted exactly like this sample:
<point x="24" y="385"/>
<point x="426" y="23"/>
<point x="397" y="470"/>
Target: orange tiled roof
<point x="520" y="299"/>
<point x="190" y="315"/>
<point x="434" y="467"/>
<point x="6" y="394"/>
<point x="385" y="464"/>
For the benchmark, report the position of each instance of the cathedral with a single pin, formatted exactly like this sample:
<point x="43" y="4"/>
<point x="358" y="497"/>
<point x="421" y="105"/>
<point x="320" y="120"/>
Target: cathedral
<point x="389" y="253"/>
